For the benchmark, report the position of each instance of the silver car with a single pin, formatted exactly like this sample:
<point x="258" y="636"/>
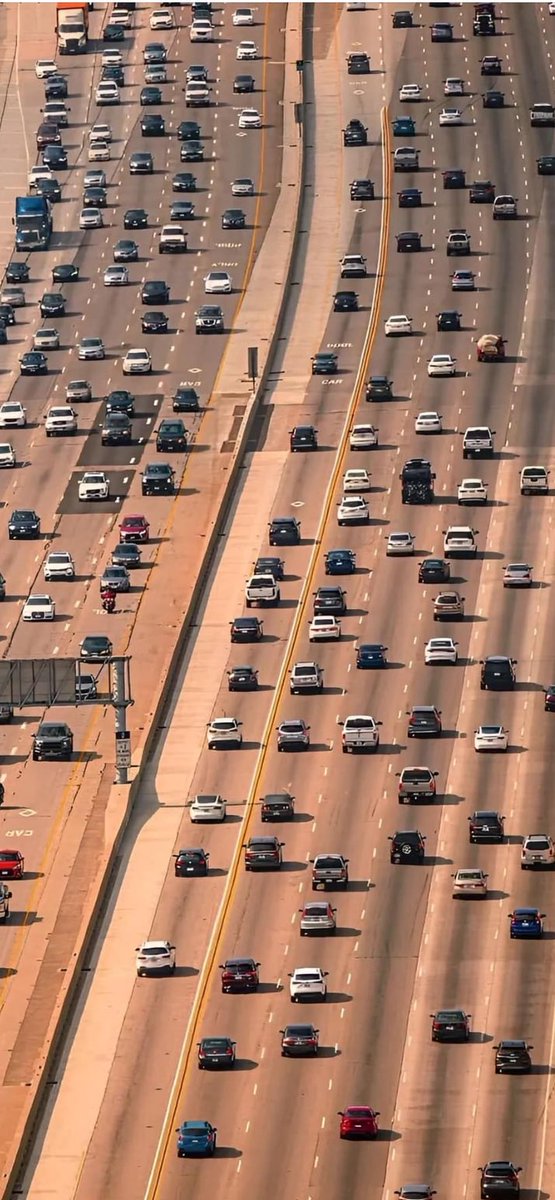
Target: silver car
<point x="537" y="851"/>
<point x="91" y="347"/>
<point x="90" y="218"/>
<point x="470" y="883"/>
<point x="317" y="916"/>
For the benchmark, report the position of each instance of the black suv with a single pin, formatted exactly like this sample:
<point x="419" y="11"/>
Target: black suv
<point x="185" y="399"/>
<point x="486" y="825"/>
<point x="408" y="241"/>
<point x="434" y="570"/>
<point x="120" y="400"/>
<point x="499" y="1179"/>
<point x="263" y="853"/>
<point x="362" y="189"/>
<point x="498" y="673"/>
<point x="277" y="806"/>
<point x="455" y="178"/>
<point x="481" y="192"/>
<point x="52" y="741"/>
<point x="303" y="437"/>
<point x="379" y="387"/>
<point x="284" y="531"/>
<point x="410" y="198"/>
<point x="355" y="133"/>
<point x="407" y="847"/>
<point x="155" y="292"/>
<point x="448" y="320"/>
<point x="158" y="480"/>
<point x="424" y="721"/>
<point x="246" y="629"/>
<point x="402" y="19"/>
<point x="116" y="429"/>
<point x="512" y="1057"/>
<point x="329" y="600"/>
<point x="171" y="435"/>
<point x="450" y="1025"/>
<point x="269" y="564"/>
<point x="23" y="523"/>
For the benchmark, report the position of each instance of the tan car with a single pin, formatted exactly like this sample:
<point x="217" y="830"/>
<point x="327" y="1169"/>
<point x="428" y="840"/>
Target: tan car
<point x="449" y="606"/>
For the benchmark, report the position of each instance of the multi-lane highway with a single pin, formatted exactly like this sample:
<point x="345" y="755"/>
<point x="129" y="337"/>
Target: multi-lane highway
<point x="403" y="946"/>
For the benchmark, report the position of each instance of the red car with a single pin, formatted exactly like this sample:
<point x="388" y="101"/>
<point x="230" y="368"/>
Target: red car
<point x="12" y="864"/>
<point x="134" y="529"/>
<point x="358" y="1121"/>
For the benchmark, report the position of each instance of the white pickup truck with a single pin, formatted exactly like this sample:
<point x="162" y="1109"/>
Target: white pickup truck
<point x="360" y="734"/>
<point x="542" y="114"/>
<point x="262" y="589"/>
<point x="478" y="442"/>
<point x="60" y="419"/>
<point x="173" y="240"/>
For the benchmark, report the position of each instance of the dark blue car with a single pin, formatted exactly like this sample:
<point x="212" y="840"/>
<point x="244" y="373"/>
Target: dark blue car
<point x="526" y="923"/>
<point x="195" y="1138"/>
<point x="340" y="562"/>
<point x="371" y="656"/>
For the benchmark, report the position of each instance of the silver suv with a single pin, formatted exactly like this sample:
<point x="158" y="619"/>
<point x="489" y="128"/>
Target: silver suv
<point x="538" y="850"/>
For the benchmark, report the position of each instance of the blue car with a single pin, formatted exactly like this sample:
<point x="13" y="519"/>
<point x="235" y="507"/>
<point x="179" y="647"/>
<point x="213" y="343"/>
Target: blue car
<point x="526" y="923"/>
<point x="371" y="656"/>
<point x="403" y="127"/>
<point x="340" y="562"/>
<point x="196" y="1138"/>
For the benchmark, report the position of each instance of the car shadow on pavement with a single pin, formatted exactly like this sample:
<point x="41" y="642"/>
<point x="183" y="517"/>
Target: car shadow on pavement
<point x="227" y="1152"/>
<point x="339" y="998"/>
<point x="250" y="746"/>
<point x="316" y="746"/>
<point x="450" y="798"/>
<point x="388" y="1135"/>
<point x="346" y="931"/>
<point x="217" y="872"/>
<point x="516" y="750"/>
<point x="359" y="885"/>
<point x="232" y="819"/>
<point x="23" y="918"/>
<point x="390" y="748"/>
<point x="300" y="818"/>
<point x="496" y="894"/>
<point x="7" y="972"/>
<point x="268" y="989"/>
<point x="293" y="866"/>
<point x="478" y="1039"/>
<point x="328" y="1052"/>
<point x="436" y="860"/>
<point x="185" y="972"/>
<point x="541" y="1069"/>
<point x="245" y="1064"/>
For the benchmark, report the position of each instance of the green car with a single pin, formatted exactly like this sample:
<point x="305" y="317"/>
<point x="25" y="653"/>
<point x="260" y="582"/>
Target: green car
<point x="404" y="127"/>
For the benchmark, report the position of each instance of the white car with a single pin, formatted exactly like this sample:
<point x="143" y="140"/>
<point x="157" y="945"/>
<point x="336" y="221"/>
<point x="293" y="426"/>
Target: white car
<point x="12" y="413"/>
<point x="399" y="544"/>
<point x="538" y="850"/>
<point x="551" y="8"/>
<point x="7" y="455"/>
<point x="162" y="18"/>
<point x="249" y="118"/>
<point x="45" y="67"/>
<point x="491" y="737"/>
<point x="440" y="650"/>
<point x="91" y="347"/>
<point x="201" y="31"/>
<point x="155" y="958"/>
<point x="61" y="418"/>
<point x="398" y="326"/>
<point x="94" y="485"/>
<point x="450" y="116"/>
<point x="111" y="58"/>
<point x="356" y="479"/>
<point x="517" y="575"/>
<point x="39" y="608"/>
<point x="91" y="218"/>
<point x="324" y="628"/>
<point x="107" y="92"/>
<point x="224" y="731"/>
<point x="410" y="91"/>
<point x="242" y="187"/>
<point x="246" y="51"/>
<point x="116" y="275"/>
<point x="36" y="174"/>
<point x="46" y="339"/>
<point x="137" y="362"/>
<point x="120" y="16"/>
<point x="59" y="565"/>
<point x="470" y="883"/>
<point x="101" y="131"/>
<point x="217" y="283"/>
<point x="243" y="16"/>
<point x="428" y="422"/>
<point x="308" y="983"/>
<point x="442" y="364"/>
<point x="352" y="509"/>
<point x="453" y="86"/>
<point x="98" y="152"/>
<point x="363" y="437"/>
<point x="207" y="808"/>
<point x="472" y="491"/>
<point x="533" y="479"/>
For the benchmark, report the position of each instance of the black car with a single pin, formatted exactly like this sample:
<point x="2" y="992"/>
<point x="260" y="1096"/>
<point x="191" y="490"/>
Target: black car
<point x="242" y="679"/>
<point x="277" y="806"/>
<point x="269" y="564"/>
<point x="7" y="314"/>
<point x="481" y="192"/>
<point x="498" y="673"/>
<point x="95" y="197"/>
<point x="324" y="363"/>
<point x="65" y="273"/>
<point x="52" y="304"/>
<point x="150" y="96"/>
<point x="486" y="825"/>
<point x="233" y="218"/>
<point x="188" y="131"/>
<point x="23" y="523"/>
<point x="126" y="554"/>
<point x="441" y="31"/>
<point x="402" y="19"/>
<point x="216" y="1052"/>
<point x="141" y="164"/>
<point x="450" y="1025"/>
<point x="33" y="362"/>
<point x="303" y="437"/>
<point x="410" y="198"/>
<point x="329" y="600"/>
<point x="116" y="429"/>
<point x="155" y="292"/>
<point x="371" y="656"/>
<point x="358" y="63"/>
<point x="50" y="188"/>
<point x="408" y="846"/>
<point x="549" y="701"/>
<point x="184" y="181"/>
<point x="114" y="73"/>
<point x="299" y="1041"/>
<point x="153" y="125"/>
<point x="434" y="570"/>
<point x="490" y="65"/>
<point x="154" y="322"/>
<point x="499" y="1179"/>
<point x="379" y="387"/>
<point x="52" y="740"/>
<point x="182" y="210"/>
<point x="424" y="721"/>
<point x="171" y="435"/>
<point x="546" y="164"/>
<point x="340" y="562"/>
<point x="121" y="401"/>
<point x="284" y="531"/>
<point x="54" y="157"/>
<point x="355" y="133"/>
<point x="191" y="862"/>
<point x="345" y="302"/>
<point x="113" y="33"/>
<point x="455" y="178"/>
<point x="96" y="648"/>
<point x="246" y="629"/>
<point x="55" y="87"/>
<point x="191" y="151"/>
<point x="135" y="218"/>
<point x="158" y="480"/>
<point x="243" y="84"/>
<point x="448" y="320"/>
<point x="17" y="272"/>
<point x="493" y="99"/>
<point x="3" y="334"/>
<point x="512" y="1057"/>
<point x="362" y="189"/>
<point x="185" y="399"/>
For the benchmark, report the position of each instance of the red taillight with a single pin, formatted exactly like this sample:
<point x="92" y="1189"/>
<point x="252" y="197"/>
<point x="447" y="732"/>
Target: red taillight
<point x="229" y="1050"/>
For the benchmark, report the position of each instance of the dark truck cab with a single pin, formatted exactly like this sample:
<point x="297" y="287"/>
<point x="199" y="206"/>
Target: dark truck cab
<point x="33" y="223"/>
